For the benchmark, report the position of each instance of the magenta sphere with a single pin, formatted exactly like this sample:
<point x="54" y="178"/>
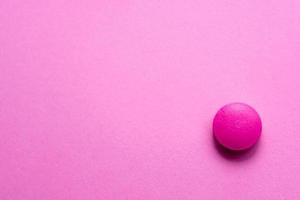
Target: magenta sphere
<point x="237" y="126"/>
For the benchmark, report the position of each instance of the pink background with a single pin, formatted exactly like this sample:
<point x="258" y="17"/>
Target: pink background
<point x="114" y="99"/>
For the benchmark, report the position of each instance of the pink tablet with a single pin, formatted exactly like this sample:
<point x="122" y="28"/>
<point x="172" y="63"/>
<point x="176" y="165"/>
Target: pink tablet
<point x="237" y="126"/>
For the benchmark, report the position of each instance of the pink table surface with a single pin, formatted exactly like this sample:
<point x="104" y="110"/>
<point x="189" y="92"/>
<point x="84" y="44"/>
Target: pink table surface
<point x="114" y="99"/>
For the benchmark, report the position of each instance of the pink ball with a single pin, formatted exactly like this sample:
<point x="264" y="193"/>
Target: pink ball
<point x="237" y="126"/>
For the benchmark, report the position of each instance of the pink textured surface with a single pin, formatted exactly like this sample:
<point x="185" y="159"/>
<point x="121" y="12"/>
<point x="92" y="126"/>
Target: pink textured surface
<point x="115" y="99"/>
<point x="237" y="126"/>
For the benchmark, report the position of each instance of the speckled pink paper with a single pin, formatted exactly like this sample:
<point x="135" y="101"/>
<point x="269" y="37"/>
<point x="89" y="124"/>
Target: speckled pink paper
<point x="114" y="99"/>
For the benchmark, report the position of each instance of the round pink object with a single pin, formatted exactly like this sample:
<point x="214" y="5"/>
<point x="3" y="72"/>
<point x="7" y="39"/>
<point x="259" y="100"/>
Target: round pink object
<point x="237" y="126"/>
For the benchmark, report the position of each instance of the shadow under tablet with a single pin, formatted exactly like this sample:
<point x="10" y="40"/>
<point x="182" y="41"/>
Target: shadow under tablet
<point x="235" y="155"/>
